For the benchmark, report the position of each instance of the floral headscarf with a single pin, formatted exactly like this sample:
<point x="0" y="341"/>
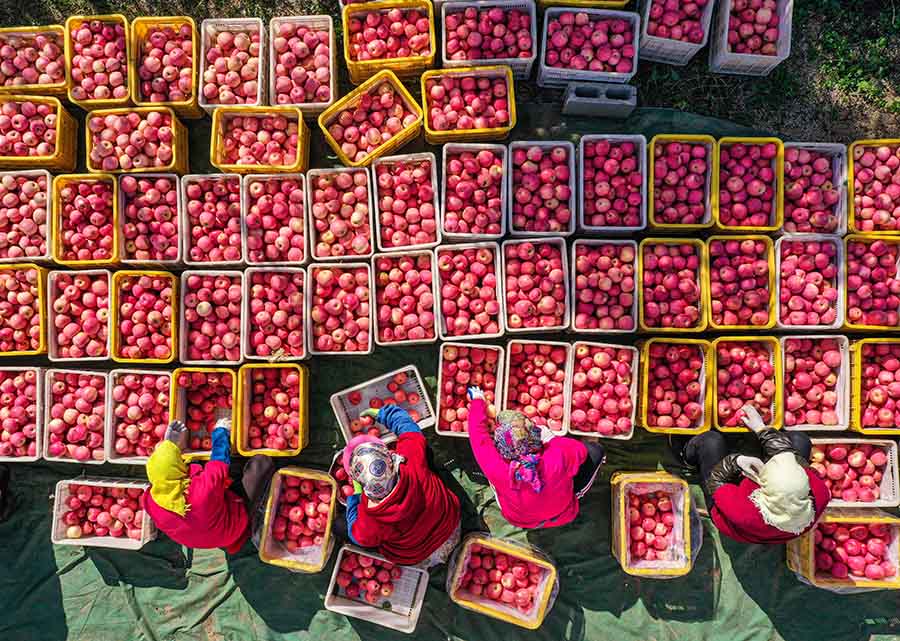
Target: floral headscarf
<point x="518" y="440"/>
<point x="375" y="467"/>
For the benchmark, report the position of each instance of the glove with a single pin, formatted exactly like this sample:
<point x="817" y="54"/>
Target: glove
<point x="357" y="488"/>
<point x="370" y="412"/>
<point x="224" y="423"/>
<point x="750" y="466"/>
<point x="752" y="420"/>
<point x="178" y="433"/>
<point x="475" y="392"/>
<point x="546" y="434"/>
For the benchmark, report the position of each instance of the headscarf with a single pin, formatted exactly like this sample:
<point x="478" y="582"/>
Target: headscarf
<point x="518" y="440"/>
<point x="168" y="476"/>
<point x="372" y="465"/>
<point x="783" y="496"/>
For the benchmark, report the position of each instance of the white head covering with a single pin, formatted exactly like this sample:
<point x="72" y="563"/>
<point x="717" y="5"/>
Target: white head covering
<point x="783" y="496"/>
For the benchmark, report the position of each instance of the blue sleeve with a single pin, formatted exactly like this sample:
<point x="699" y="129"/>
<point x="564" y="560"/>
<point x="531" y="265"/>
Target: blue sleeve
<point x="221" y="447"/>
<point x="352" y="507"/>
<point x="397" y="420"/>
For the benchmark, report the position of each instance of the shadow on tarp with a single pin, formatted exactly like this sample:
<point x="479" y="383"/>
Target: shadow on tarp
<point x="163" y="565"/>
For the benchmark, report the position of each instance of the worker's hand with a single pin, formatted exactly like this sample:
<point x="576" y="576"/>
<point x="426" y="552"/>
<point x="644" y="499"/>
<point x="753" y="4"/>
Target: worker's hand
<point x="357" y="488"/>
<point x="752" y="419"/>
<point x="370" y="412"/>
<point x="475" y="392"/>
<point x="751" y="466"/>
<point x="224" y="423"/>
<point x="546" y="434"/>
<point x="178" y="433"/>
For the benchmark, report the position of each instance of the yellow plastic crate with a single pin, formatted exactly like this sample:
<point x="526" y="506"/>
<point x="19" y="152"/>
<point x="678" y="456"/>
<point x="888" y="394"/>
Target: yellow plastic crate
<point x="856" y="399"/>
<point x="117" y="278"/>
<point x="55" y="225"/>
<point x="52" y="89"/>
<point x="851" y="183"/>
<point x="778" y="222"/>
<point x="269" y="551"/>
<point x="140" y="27"/>
<point x="293" y="114"/>
<point x="712" y="200"/>
<point x="702" y="279"/>
<point x="385" y="149"/>
<point x="778" y="402"/>
<point x="773" y="275"/>
<point x="868" y="238"/>
<point x="63" y="158"/>
<point x="177" y="407"/>
<point x="88" y="105"/>
<point x="436" y="137"/>
<point x="362" y="70"/>
<point x="705" y="384"/>
<point x="242" y="405"/>
<point x="180" y="153"/>
<point x="42" y="307"/>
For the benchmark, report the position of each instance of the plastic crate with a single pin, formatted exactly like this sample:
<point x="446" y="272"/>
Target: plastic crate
<point x="712" y="178"/>
<point x="667" y="50"/>
<point x="53" y="332"/>
<point x="25" y="35"/>
<point x="574" y="276"/>
<point x="723" y="61"/>
<point x="64" y="180"/>
<point x="777" y="421"/>
<point x="185" y="223"/>
<point x="209" y="28"/>
<point x="436" y="137"/>
<point x="179" y="195"/>
<point x="498" y="386"/>
<point x="777" y="221"/>
<point x="182" y="323"/>
<point x="320" y="22"/>
<point x="58" y="531"/>
<point x="246" y="181"/>
<point x="178" y="409"/>
<point x="889" y="495"/>
<point x="842" y="386"/>
<point x="179" y="162"/>
<point x="309" y="327"/>
<point x="247" y="328"/>
<point x="774" y="281"/>
<point x="222" y="114"/>
<point x="840" y="280"/>
<point x="42" y="305"/>
<point x="851" y="182"/>
<point x="641" y="142"/>
<point x="702" y="279"/>
<point x="140" y="27"/>
<point x="706" y="376"/>
<point x="633" y="391"/>
<point x="115" y="342"/>
<point x="376" y="305"/>
<point x="844" y="288"/>
<point x="561" y="76"/>
<point x="48" y="208"/>
<point x="63" y="157"/>
<point x="49" y="377"/>
<point x="443" y="334"/>
<point x="38" y="415"/>
<point x="377" y="388"/>
<point x="567" y="384"/>
<point x="459" y="148"/>
<point x="838" y="153"/>
<point x="245" y="397"/>
<point x="405" y="135"/>
<point x="611" y="4"/>
<point x="109" y="444"/>
<point x="110" y="18"/>
<point x="521" y="67"/>
<point x="560" y="244"/>
<point x="313" y="234"/>
<point x="413" y="159"/>
<point x="856" y="392"/>
<point x="573" y="187"/>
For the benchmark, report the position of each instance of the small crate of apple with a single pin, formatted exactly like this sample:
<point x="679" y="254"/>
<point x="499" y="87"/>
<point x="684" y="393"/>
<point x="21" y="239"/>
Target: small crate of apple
<point x="604" y="390"/>
<point x="138" y="407"/>
<point x="460" y="366"/>
<point x="21" y="414"/>
<point x="858" y="472"/>
<point x="675" y="386"/>
<point x="273" y="417"/>
<point x="537" y="384"/>
<point x="875" y="385"/>
<point x="470" y="291"/>
<point x="340" y="314"/>
<point x="536" y="283"/>
<point x="407" y="212"/>
<point x="816" y="373"/>
<point x="405" y="305"/>
<point x="503" y="579"/>
<point x="747" y="371"/>
<point x="402" y="387"/>
<point x="199" y="396"/>
<point x="604" y="286"/>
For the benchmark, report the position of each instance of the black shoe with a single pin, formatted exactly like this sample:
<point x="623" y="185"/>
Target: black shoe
<point x="679" y="445"/>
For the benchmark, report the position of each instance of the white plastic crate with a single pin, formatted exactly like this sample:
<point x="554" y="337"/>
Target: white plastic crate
<point x="182" y="323"/>
<point x="521" y="67"/>
<point x="208" y="30"/>
<point x="501" y="296"/>
<point x="178" y="407"/>
<point x="842" y="386"/>
<point x="38" y="416"/>
<point x="596" y="242"/>
<point x="499" y="387"/>
<point x="649" y="186"/>
<point x="323" y="22"/>
<point x="400" y="612"/>
<point x="178" y="222"/>
<point x="58" y="531"/>
<point x="633" y="392"/>
<point x="53" y="333"/>
<point x="434" y="308"/>
<point x="838" y="153"/>
<point x="310" y="287"/>
<point x="48" y="208"/>
<point x="560" y="244"/>
<point x="376" y="209"/>
<point x="311" y="233"/>
<point x="185" y="222"/>
<point x="573" y="187"/>
<point x="889" y="495"/>
<point x="49" y="376"/>
<point x="457" y="148"/>
<point x="561" y="76"/>
<point x="247" y="323"/>
<point x="641" y="142"/>
<point x="840" y="280"/>
<point x="377" y="387"/>
<point x="109" y="441"/>
<point x="667" y="50"/>
<point x="246" y="179"/>
<point x="567" y="384"/>
<point x="723" y="61"/>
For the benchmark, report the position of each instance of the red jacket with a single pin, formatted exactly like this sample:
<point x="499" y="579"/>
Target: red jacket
<point x="217" y="518"/>
<point x="417" y="516"/>
<point x="737" y="516"/>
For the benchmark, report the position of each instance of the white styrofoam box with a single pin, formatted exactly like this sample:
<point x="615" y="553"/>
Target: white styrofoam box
<point x="567" y="385"/>
<point x="458" y="148"/>
<point x="596" y="242"/>
<point x="573" y="187"/>
<point x="560" y="244"/>
<point x="641" y="142"/>
<point x="246" y="180"/>
<point x="53" y="332"/>
<point x="185" y="230"/>
<point x="633" y="391"/>
<point x="178" y="222"/>
<point x="49" y="377"/>
<point x="839" y="284"/>
<point x="501" y="295"/>
<point x="376" y="209"/>
<point x="313" y="235"/>
<point x="48" y="208"/>
<point x="247" y="322"/>
<point x="499" y="387"/>
<point x="310" y="288"/>
<point x="667" y="50"/>
<point x="723" y="61"/>
<point x="109" y="442"/>
<point x="889" y="495"/>
<point x="842" y="387"/>
<point x="319" y="22"/>
<point x="838" y="154"/>
<point x="38" y="415"/>
<point x="182" y="323"/>
<point x="434" y="308"/>
<point x="209" y="29"/>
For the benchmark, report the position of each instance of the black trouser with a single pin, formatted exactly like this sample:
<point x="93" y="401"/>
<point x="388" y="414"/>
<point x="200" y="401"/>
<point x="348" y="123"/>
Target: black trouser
<point x="255" y="479"/>
<point x="588" y="470"/>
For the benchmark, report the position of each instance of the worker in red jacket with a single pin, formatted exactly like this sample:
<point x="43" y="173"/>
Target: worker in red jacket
<point x="755" y="502"/>
<point x="401" y="508"/>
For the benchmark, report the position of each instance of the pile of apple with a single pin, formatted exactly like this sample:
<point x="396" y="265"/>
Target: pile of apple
<point x="206" y="394"/>
<point x="675" y="394"/>
<point x="475" y="101"/>
<point x="390" y="34"/>
<point x="150" y="223"/>
<point x="542" y="189"/>
<point x="753" y="27"/>
<point x="212" y="315"/>
<point x="400" y="391"/>
<point x="671" y="289"/>
<point x="876" y="188"/>
<point x="367" y="579"/>
<point x="537" y="374"/>
<point x="677" y="20"/>
<point x="605" y="286"/>
<point x="601" y="390"/>
<point x="32" y="59"/>
<point x="473" y="198"/>
<point x="855" y="551"/>
<point x="132" y="140"/>
<point x="86" y="231"/>
<point x="650" y="521"/>
<point x="23" y="215"/>
<point x="99" y="65"/>
<point x="681" y="172"/>
<point x="340" y="215"/>
<point x="340" y="311"/>
<point x="232" y="71"/>
<point x="536" y="285"/>
<point x="852" y="472"/>
<point x="21" y="310"/>
<point x="406" y="202"/>
<point x="461" y="367"/>
<point x="274" y="409"/>
<point x="77" y="415"/>
<point x="747" y="184"/>
<point x="145" y="317"/>
<point x="404" y="300"/>
<point x="140" y="411"/>
<point x="873" y="283"/>
<point x="166" y="64"/>
<point x="879" y="393"/>
<point x="303" y="513"/>
<point x="488" y="33"/>
<point x="811" y="199"/>
<point x="269" y="140"/>
<point x="469" y="290"/>
<point x="745" y="375"/>
<point x="739" y="282"/>
<point x="504" y="578"/>
<point x="612" y="184"/>
<point x="213" y="207"/>
<point x="27" y="128"/>
<point x="275" y="220"/>
<point x="18" y="412"/>
<point x="103" y="511"/>
<point x="302" y="66"/>
<point x="809" y="282"/>
<point x="581" y="42"/>
<point x="275" y="306"/>
<point x="812" y="368"/>
<point x="79" y="315"/>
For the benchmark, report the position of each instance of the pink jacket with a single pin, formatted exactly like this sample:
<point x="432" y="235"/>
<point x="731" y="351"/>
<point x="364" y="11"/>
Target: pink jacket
<point x="523" y="507"/>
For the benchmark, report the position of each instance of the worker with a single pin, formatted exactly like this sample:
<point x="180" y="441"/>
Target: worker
<point x="192" y="504"/>
<point x="7" y="500"/>
<point x="537" y="477"/>
<point x="400" y="508"/>
<point x="752" y="501"/>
